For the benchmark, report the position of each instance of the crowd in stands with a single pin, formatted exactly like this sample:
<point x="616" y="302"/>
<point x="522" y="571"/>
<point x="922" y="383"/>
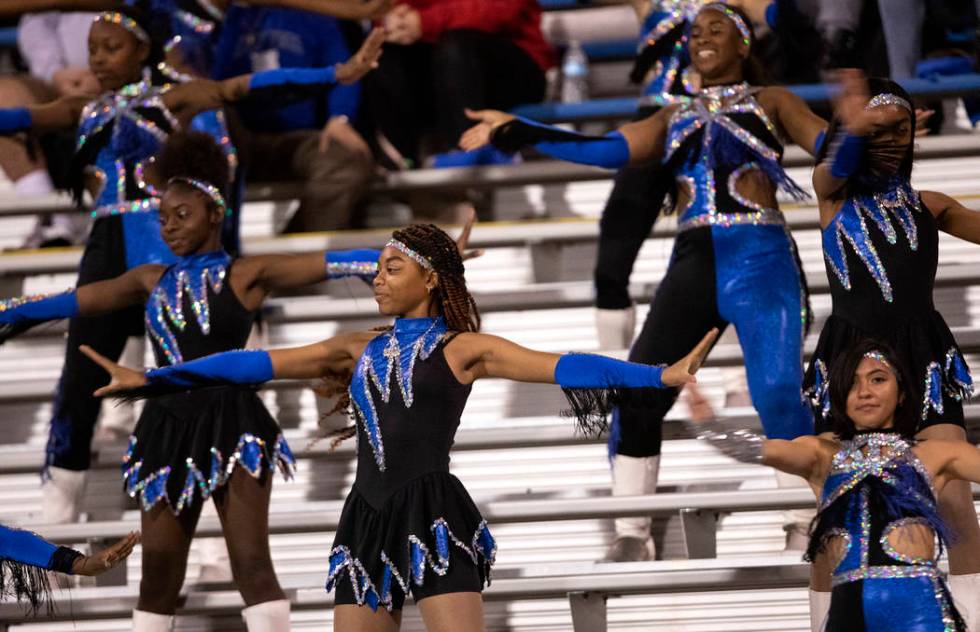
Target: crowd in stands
<point x="441" y="57"/>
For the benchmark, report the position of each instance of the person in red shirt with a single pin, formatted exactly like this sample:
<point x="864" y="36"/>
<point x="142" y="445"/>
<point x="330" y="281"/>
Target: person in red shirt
<point x="443" y="56"/>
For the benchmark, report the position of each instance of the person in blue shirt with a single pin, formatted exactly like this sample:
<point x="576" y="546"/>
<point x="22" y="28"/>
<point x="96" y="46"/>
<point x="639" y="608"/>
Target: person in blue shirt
<point x="309" y="141"/>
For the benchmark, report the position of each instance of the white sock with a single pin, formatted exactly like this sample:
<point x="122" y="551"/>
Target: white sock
<point x="819" y="609"/>
<point x="37" y="182"/>
<point x="634" y="476"/>
<point x="152" y="622"/>
<point x="270" y="616"/>
<point x="966" y="595"/>
<point x="61" y="495"/>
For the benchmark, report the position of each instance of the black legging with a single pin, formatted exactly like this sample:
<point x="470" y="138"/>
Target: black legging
<point x="630" y="213"/>
<point x="75" y="409"/>
<point x="427" y="86"/>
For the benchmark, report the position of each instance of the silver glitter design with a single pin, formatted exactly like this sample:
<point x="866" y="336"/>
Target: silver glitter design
<point x="416" y="257"/>
<point x="742" y="445"/>
<point x="887" y="98"/>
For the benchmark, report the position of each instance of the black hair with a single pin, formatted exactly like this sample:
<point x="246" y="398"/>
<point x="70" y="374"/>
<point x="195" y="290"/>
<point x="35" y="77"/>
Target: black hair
<point x="864" y="182"/>
<point x="195" y="155"/>
<point x="841" y="379"/>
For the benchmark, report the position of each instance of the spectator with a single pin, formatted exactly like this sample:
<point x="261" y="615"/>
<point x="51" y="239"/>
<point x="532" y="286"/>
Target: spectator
<point x="312" y="141"/>
<point x="444" y="56"/>
<point x="53" y="45"/>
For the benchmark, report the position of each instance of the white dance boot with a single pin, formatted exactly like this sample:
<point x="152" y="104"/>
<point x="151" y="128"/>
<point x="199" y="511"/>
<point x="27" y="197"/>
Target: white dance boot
<point x="152" y="622"/>
<point x="270" y="616"/>
<point x="819" y="609"/>
<point x="61" y="495"/>
<point x="966" y="595"/>
<point x="615" y="327"/>
<point x="796" y="522"/>
<point x="633" y="476"/>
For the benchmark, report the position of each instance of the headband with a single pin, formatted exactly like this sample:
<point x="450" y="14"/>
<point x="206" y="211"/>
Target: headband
<point x="880" y="357"/>
<point x="740" y="24"/>
<point x="128" y="23"/>
<point x="207" y="189"/>
<point x="887" y="98"/>
<point x="419" y="259"/>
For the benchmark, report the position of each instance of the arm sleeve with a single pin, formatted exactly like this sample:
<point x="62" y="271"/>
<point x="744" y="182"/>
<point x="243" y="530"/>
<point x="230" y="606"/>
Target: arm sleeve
<point x="610" y="151"/>
<point x="243" y="366"/>
<point x="13" y="120"/>
<point x="362" y="263"/>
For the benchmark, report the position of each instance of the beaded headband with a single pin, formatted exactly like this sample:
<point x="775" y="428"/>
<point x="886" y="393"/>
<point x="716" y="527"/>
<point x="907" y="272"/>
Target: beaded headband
<point x="207" y="189"/>
<point x="879" y="357"/>
<point x="740" y="24"/>
<point x="887" y="98"/>
<point x="419" y="259"/>
<point x="128" y="23"/>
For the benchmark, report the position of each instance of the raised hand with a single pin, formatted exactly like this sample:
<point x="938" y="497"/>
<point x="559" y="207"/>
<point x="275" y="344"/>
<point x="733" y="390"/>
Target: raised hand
<point x="851" y="100"/>
<point x="121" y="378"/>
<point x="682" y="372"/>
<point x="487" y="121"/>
<point x="364" y="60"/>
<point x="464" y="238"/>
<point x="92" y="565"/>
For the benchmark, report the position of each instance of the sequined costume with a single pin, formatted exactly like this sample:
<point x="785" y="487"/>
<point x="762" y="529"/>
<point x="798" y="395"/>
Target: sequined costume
<point x="876" y="491"/>
<point x="187" y="444"/>
<point x="25" y="559"/>
<point x="733" y="262"/>
<point x="408" y="525"/>
<point x="881" y="253"/>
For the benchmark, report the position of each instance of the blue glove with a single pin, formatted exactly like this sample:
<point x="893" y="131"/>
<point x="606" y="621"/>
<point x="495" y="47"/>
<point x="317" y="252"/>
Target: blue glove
<point x="848" y="152"/>
<point x="610" y="151"/>
<point x="243" y="366"/>
<point x="582" y="370"/>
<point x="14" y="120"/>
<point x="39" y="307"/>
<point x="292" y="77"/>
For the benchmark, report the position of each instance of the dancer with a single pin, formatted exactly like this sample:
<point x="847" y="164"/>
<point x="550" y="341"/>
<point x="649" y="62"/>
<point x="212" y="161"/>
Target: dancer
<point x="877" y="486"/>
<point x="26" y="557"/>
<point x="408" y="525"/>
<point x="880" y="239"/>
<point x="117" y="134"/>
<point x="733" y="260"/>
<point x="219" y="443"/>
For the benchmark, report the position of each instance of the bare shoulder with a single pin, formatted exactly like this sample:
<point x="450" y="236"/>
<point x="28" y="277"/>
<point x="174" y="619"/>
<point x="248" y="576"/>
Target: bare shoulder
<point x="935" y="201"/>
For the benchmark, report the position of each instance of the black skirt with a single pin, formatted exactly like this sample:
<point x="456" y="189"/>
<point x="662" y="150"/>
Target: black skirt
<point x="186" y="445"/>
<point x="941" y="378"/>
<point x="385" y="551"/>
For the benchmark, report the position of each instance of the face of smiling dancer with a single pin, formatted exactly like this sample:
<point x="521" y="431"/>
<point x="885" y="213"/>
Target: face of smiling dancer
<point x="189" y="222"/>
<point x="400" y="288"/>
<point x="115" y="56"/>
<point x="874" y="396"/>
<point x="716" y="48"/>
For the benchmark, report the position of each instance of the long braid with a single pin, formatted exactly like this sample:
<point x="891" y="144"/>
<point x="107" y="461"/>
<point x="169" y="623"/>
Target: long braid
<point x="454" y="302"/>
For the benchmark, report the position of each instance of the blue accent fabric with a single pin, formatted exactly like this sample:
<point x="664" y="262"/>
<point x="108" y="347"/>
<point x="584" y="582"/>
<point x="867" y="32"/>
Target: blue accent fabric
<point x="902" y="604"/>
<point x="230" y="367"/>
<point x="361" y="262"/>
<point x="611" y="151"/>
<point x="25" y="547"/>
<point x="64" y="305"/>
<point x="14" y="120"/>
<point x="847" y="156"/>
<point x="772" y="14"/>
<point x="760" y="291"/>
<point x="582" y="370"/>
<point x="286" y="76"/>
<point x="300" y="40"/>
<point x="943" y="66"/>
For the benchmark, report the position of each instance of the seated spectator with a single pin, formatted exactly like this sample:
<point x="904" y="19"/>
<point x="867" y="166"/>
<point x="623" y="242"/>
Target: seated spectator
<point x="443" y="56"/>
<point x="53" y="45"/>
<point x="311" y="141"/>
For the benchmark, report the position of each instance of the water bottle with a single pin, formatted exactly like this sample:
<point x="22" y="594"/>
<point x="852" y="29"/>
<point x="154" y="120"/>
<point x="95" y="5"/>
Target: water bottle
<point x="575" y="74"/>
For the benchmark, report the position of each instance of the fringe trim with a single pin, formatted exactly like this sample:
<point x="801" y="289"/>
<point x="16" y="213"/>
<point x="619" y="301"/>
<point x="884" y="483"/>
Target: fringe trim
<point x="592" y="407"/>
<point x="26" y="583"/>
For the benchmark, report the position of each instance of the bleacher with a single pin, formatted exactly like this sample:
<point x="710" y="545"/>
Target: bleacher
<point x="545" y="491"/>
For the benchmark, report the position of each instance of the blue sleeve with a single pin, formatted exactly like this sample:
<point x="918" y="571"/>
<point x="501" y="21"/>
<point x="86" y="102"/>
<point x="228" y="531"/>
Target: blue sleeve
<point x="846" y="153"/>
<point x="14" y="120"/>
<point x="582" y="370"/>
<point x="39" y="307"/>
<point x="361" y="263"/>
<point x="342" y="100"/>
<point x="25" y="547"/>
<point x="244" y="366"/>
<point x="312" y="78"/>
<point x="610" y="151"/>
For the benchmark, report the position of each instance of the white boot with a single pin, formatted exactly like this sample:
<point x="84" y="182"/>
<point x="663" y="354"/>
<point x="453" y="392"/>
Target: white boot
<point x="61" y="495"/>
<point x="615" y="327"/>
<point x="796" y="522"/>
<point x="819" y="610"/>
<point x="633" y="476"/>
<point x="271" y="616"/>
<point x="152" y="622"/>
<point x="966" y="595"/>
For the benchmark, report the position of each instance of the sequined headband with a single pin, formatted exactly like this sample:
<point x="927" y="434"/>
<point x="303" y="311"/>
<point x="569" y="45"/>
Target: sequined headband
<point x="887" y="98"/>
<point x="419" y="259"/>
<point x="880" y="357"/>
<point x="128" y="23"/>
<point x="207" y="189"/>
<point x="740" y="24"/>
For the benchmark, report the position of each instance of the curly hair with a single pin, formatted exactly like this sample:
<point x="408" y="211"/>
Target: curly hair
<point x="193" y="155"/>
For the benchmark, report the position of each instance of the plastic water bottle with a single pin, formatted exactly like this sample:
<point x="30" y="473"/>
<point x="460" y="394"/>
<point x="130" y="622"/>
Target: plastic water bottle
<point x="575" y="74"/>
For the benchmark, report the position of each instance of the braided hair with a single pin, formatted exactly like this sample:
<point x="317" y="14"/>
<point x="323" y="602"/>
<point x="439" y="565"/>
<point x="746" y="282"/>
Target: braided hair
<point x="453" y="300"/>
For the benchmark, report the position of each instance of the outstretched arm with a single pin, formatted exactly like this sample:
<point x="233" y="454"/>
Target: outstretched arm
<point x="958" y="459"/>
<point x="24" y="547"/>
<point x="56" y="115"/>
<point x="636" y="142"/>
<point x="253" y="366"/>
<point x="953" y="217"/>
<point x="189" y="99"/>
